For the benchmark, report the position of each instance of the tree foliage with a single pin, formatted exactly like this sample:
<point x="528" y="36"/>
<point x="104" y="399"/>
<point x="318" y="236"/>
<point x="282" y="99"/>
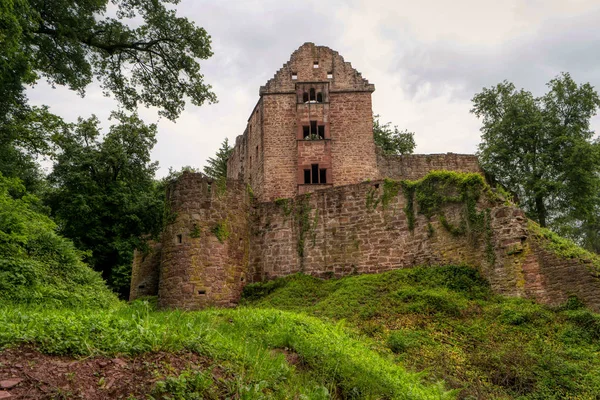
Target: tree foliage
<point x="542" y="149"/>
<point x="140" y="51"/>
<point x="217" y="166"/>
<point x="104" y="196"/>
<point x="36" y="264"/>
<point x="391" y="140"/>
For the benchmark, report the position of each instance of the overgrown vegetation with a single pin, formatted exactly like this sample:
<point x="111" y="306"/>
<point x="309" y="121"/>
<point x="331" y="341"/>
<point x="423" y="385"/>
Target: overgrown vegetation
<point x="248" y="343"/>
<point x="446" y="321"/>
<point x="563" y="247"/>
<point x="437" y="190"/>
<point x="221" y="231"/>
<point x="36" y="264"/>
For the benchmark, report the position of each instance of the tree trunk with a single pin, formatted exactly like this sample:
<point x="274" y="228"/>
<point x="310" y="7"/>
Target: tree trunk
<point x="540" y="210"/>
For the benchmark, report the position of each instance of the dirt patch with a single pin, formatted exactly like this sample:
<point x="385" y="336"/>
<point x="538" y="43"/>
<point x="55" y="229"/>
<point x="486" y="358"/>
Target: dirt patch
<point x="39" y="376"/>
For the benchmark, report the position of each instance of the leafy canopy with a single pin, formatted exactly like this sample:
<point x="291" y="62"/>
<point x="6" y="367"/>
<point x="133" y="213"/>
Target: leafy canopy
<point x="104" y="196"/>
<point x="140" y="51"/>
<point x="542" y="150"/>
<point x="391" y="140"/>
<point x="217" y="166"/>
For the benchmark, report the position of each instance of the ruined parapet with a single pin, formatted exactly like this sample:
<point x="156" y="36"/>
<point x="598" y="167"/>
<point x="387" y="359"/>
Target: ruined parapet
<point x="145" y="270"/>
<point x="416" y="166"/>
<point x="205" y="243"/>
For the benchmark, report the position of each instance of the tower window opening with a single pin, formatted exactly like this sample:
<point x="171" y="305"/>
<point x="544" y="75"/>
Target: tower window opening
<point x="330" y="75"/>
<point x="321" y="131"/>
<point x="313" y="128"/>
<point x="313" y="97"/>
<point x="315" y="173"/>
<point x="179" y="239"/>
<point x="306" y="132"/>
<point x="257" y="152"/>
<point x="294" y="76"/>
<point x="305" y="97"/>
<point x="322" y="176"/>
<point x="319" y="97"/>
<point x="316" y="64"/>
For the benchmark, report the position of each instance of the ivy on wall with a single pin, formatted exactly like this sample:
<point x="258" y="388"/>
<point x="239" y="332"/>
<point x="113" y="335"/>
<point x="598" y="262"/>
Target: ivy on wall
<point x="432" y="194"/>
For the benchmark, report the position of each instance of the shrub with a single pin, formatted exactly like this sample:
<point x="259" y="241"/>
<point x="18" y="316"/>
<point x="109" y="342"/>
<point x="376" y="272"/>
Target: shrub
<point x="36" y="264"/>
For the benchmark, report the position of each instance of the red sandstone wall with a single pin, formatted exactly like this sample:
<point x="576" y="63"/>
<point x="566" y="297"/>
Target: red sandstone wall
<point x="197" y="269"/>
<point x="145" y="271"/>
<point x="344" y="76"/>
<point x="345" y="112"/>
<point x="353" y="148"/>
<point x="347" y="237"/>
<point x="280" y="147"/>
<point x="416" y="166"/>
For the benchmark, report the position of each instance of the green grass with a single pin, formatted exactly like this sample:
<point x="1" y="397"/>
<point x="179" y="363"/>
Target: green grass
<point x="333" y="360"/>
<point x="447" y="322"/>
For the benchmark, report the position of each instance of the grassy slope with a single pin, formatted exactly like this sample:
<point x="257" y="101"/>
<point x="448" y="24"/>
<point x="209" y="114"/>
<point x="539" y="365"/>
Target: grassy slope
<point x="240" y="341"/>
<point x="447" y="322"/>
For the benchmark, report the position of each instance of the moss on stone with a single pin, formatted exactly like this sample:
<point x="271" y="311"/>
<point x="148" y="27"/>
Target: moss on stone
<point x="221" y="231"/>
<point x="563" y="247"/>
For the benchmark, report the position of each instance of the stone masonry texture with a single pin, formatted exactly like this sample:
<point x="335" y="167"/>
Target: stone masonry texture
<point x="265" y="221"/>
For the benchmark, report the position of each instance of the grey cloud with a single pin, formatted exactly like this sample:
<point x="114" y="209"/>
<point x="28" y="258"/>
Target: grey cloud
<point x="530" y="61"/>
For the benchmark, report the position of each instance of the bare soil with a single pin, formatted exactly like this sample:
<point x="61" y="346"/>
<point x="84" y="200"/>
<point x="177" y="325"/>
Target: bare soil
<point x="28" y="374"/>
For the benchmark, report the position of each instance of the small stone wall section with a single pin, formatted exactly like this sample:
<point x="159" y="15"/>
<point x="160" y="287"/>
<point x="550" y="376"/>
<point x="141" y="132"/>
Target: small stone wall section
<point x="145" y="270"/>
<point x="416" y="166"/>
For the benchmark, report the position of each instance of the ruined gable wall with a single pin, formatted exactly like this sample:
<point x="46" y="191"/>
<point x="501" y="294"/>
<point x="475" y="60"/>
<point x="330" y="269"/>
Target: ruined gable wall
<point x="246" y="162"/>
<point x="205" y="243"/>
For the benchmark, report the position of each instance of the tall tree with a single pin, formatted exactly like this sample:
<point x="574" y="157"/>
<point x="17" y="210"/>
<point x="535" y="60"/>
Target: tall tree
<point x="105" y="197"/>
<point x="392" y="140"/>
<point x="217" y="166"/>
<point x="542" y="149"/>
<point x="140" y="51"/>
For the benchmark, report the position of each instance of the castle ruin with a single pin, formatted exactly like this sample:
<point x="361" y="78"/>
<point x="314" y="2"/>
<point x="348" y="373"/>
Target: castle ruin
<point x="306" y="192"/>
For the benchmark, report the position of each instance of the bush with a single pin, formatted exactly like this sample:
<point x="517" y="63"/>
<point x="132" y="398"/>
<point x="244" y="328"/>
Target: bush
<point x="36" y="264"/>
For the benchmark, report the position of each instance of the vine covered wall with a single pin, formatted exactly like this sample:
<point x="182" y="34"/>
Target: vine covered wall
<point x="443" y="218"/>
<point x="218" y="238"/>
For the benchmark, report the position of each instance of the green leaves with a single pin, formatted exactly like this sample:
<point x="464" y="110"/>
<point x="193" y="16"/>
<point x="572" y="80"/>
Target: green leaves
<point x="217" y="166"/>
<point x="146" y="55"/>
<point x="104" y="196"/>
<point x="392" y="141"/>
<point x="541" y="149"/>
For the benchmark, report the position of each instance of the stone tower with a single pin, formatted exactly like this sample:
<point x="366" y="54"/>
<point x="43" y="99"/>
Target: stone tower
<point x="203" y="253"/>
<point x="312" y="128"/>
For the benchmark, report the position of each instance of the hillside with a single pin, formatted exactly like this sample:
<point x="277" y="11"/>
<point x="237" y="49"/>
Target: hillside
<point x="364" y="337"/>
<point x="447" y="322"/>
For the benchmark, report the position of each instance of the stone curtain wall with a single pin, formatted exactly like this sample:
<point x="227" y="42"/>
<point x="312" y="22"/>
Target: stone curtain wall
<point x="145" y="271"/>
<point x="415" y="166"/>
<point x="205" y="243"/>
<point x="335" y="232"/>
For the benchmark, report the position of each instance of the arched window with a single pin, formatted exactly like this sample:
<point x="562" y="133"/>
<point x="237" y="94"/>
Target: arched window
<point x="312" y="94"/>
<point x="305" y="97"/>
<point x="319" y="97"/>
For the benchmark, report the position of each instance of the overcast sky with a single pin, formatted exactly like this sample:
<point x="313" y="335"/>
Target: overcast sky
<point x="427" y="59"/>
